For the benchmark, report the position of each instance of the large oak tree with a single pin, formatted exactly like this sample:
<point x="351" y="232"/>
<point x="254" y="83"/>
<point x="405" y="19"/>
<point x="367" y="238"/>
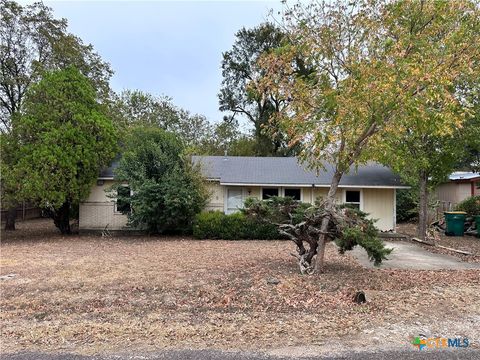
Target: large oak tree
<point x="375" y="62"/>
<point x="239" y="95"/>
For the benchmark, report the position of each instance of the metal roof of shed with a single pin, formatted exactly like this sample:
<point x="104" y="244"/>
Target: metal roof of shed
<point x="463" y="175"/>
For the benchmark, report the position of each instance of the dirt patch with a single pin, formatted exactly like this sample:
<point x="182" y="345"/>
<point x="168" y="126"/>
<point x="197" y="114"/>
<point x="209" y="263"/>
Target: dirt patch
<point x="465" y="243"/>
<point x="87" y="294"/>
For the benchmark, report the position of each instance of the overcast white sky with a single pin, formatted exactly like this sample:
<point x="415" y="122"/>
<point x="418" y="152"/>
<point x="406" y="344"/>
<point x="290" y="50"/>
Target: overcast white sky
<point x="172" y="48"/>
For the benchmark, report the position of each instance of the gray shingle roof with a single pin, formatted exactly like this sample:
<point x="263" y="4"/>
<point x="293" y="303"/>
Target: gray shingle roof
<point x="288" y="171"/>
<point x="281" y="171"/>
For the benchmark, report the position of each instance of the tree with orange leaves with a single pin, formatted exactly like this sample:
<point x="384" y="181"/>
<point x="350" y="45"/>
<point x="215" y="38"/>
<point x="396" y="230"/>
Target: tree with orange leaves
<point x="375" y="64"/>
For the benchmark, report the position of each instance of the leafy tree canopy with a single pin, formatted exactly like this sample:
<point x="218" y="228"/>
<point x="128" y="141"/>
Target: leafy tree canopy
<point x="132" y="108"/>
<point x="226" y="137"/>
<point x="33" y="41"/>
<point x="439" y="133"/>
<point x="239" y="95"/>
<point x="470" y="157"/>
<point x="166" y="190"/>
<point x="8" y="185"/>
<point x="64" y="137"/>
<point x="378" y="67"/>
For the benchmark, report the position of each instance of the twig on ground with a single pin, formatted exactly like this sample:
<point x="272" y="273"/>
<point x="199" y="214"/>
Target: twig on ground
<point x="422" y="241"/>
<point x="455" y="250"/>
<point x="441" y="247"/>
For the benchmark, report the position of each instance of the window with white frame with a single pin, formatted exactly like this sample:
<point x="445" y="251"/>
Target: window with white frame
<point x="353" y="198"/>
<point x="294" y="193"/>
<point x="234" y="200"/>
<point x="267" y="193"/>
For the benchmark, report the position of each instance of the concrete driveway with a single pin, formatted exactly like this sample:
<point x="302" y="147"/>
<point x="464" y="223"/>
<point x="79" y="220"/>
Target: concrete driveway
<point x="413" y="257"/>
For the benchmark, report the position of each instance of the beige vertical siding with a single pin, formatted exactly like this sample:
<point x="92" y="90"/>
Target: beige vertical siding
<point x="380" y="204"/>
<point x="216" y="200"/>
<point x="307" y="195"/>
<point x="453" y="193"/>
<point x="446" y="192"/>
<point x="98" y="211"/>
<point x="323" y="192"/>
<point x="464" y="191"/>
<point x="252" y="191"/>
<point x="319" y="193"/>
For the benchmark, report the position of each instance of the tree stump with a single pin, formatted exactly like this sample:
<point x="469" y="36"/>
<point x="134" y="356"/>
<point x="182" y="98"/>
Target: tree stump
<point x="359" y="297"/>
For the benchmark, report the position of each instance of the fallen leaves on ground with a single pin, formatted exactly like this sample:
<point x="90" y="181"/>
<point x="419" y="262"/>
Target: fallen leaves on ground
<point x="465" y="243"/>
<point x="90" y="294"/>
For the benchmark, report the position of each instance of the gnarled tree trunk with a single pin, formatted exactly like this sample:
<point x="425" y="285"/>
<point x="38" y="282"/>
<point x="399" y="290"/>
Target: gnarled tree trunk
<point x="329" y="204"/>
<point x="303" y="224"/>
<point x="10" y="219"/>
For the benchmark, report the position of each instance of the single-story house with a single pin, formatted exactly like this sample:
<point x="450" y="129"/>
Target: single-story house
<point x="460" y="186"/>
<point x="232" y="179"/>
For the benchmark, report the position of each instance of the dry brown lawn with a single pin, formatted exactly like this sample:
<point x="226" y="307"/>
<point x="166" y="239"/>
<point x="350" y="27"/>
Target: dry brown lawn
<point x="89" y="294"/>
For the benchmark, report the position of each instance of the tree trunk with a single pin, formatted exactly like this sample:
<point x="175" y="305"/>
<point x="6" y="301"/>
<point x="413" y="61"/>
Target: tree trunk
<point x="10" y="219"/>
<point x="329" y="203"/>
<point x="61" y="218"/>
<point x="423" y="206"/>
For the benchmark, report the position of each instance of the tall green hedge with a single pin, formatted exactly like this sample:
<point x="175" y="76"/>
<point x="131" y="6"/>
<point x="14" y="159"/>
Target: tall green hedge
<point x="237" y="226"/>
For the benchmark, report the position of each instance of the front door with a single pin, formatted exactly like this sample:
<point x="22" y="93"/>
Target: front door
<point x="234" y="200"/>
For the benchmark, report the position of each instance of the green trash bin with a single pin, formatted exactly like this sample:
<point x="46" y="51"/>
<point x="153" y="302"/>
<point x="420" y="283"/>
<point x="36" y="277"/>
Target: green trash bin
<point x="455" y="223"/>
<point x="477" y="225"/>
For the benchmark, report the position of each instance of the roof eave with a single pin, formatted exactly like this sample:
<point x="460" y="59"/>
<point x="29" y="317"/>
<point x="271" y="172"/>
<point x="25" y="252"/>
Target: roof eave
<point x="469" y="180"/>
<point x="315" y="185"/>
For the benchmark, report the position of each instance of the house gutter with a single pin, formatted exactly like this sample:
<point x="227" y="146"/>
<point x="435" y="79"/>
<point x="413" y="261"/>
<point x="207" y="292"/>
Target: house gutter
<point x="298" y="185"/>
<point x="315" y="186"/>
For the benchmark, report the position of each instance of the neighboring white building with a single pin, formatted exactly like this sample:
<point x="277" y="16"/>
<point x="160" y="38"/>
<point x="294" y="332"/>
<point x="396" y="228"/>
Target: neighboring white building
<point x="461" y="185"/>
<point x="232" y="179"/>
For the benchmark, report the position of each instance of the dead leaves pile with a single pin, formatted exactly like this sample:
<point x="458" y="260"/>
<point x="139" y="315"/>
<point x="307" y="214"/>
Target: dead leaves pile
<point x="89" y="294"/>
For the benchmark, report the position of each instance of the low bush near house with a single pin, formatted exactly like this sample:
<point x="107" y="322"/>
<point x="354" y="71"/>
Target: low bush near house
<point x="471" y="205"/>
<point x="217" y="225"/>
